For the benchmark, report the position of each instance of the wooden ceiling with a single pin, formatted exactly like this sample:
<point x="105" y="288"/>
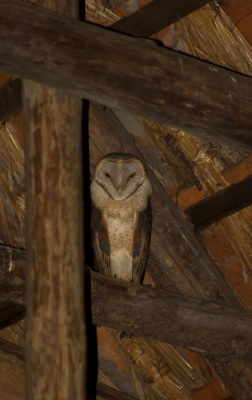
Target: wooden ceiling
<point x="136" y="77"/>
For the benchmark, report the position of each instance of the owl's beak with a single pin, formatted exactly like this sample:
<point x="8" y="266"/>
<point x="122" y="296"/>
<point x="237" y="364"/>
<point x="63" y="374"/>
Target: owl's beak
<point x="120" y="190"/>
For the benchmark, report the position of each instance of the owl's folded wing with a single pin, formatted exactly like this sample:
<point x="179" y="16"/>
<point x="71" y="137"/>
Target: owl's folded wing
<point x="100" y="241"/>
<point x="141" y="242"/>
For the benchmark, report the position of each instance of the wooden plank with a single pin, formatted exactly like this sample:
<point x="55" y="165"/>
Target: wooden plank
<point x="55" y="341"/>
<point x="12" y="377"/>
<point x="221" y="204"/>
<point x="126" y="73"/>
<point x="155" y="16"/>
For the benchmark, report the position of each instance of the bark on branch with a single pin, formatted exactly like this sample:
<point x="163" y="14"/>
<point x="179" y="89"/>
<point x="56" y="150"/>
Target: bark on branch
<point x="218" y="330"/>
<point x="126" y="73"/>
<point x="213" y="328"/>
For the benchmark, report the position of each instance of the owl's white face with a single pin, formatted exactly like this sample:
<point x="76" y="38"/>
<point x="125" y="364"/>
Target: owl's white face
<point x="120" y="178"/>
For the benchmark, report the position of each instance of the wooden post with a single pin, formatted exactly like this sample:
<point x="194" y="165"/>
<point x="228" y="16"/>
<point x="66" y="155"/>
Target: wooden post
<point x="55" y="342"/>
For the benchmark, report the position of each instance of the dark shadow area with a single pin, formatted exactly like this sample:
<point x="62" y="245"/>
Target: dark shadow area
<point x="92" y="356"/>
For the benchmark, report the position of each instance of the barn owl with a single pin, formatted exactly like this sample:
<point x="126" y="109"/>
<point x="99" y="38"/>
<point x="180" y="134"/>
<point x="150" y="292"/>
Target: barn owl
<point x="121" y="216"/>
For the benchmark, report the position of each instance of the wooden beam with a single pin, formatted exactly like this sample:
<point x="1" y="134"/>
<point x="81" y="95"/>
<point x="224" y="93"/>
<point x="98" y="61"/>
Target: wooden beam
<point x="126" y="73"/>
<point x="206" y="326"/>
<point x="12" y="377"/>
<point x="155" y="16"/>
<point x="221" y="204"/>
<point x="213" y="328"/>
<point x="55" y="339"/>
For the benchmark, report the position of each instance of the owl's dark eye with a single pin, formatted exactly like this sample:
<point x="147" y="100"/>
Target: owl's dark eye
<point x="132" y="175"/>
<point x="107" y="175"/>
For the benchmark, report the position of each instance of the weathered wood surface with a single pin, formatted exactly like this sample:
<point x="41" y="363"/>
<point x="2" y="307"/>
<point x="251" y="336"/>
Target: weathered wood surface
<point x="211" y="327"/>
<point x="12" y="377"/>
<point x="55" y="342"/>
<point x="126" y="73"/>
<point x="12" y="372"/>
<point x="55" y="316"/>
<point x="178" y="262"/>
<point x="220" y="205"/>
<point x="156" y="15"/>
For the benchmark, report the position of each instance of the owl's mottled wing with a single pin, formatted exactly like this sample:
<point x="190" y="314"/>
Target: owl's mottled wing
<point x="141" y="242"/>
<point x="100" y="241"/>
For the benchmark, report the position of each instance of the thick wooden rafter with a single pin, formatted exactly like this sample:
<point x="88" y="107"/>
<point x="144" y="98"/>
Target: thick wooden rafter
<point x="220" y="205"/>
<point x="126" y="73"/>
<point x="55" y="334"/>
<point x="156" y="15"/>
<point x="211" y="327"/>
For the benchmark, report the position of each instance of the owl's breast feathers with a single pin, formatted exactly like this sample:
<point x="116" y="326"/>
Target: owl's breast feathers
<point x="141" y="242"/>
<point x="121" y="233"/>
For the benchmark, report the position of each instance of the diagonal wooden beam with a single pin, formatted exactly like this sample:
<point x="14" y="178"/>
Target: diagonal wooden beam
<point x="176" y="253"/>
<point x="155" y="16"/>
<point x="126" y="73"/>
<point x="221" y="204"/>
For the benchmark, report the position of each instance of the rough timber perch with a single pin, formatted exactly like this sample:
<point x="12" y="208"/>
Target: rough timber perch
<point x="214" y="328"/>
<point x="126" y="73"/>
